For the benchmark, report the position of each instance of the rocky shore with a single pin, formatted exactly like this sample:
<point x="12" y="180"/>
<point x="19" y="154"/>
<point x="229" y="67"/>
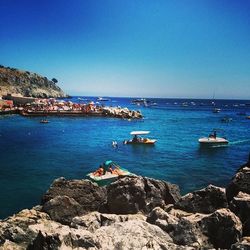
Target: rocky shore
<point x="134" y="213"/>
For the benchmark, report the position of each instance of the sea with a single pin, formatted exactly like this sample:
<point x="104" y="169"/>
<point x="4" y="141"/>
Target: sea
<point x="32" y="154"/>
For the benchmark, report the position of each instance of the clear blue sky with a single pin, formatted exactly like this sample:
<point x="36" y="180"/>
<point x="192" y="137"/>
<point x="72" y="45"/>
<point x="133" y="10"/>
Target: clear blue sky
<point x="155" y="48"/>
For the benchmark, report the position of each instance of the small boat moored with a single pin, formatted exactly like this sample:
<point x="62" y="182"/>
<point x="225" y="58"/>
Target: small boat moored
<point x="216" y="110"/>
<point x="212" y="139"/>
<point x="108" y="172"/>
<point x="139" y="140"/>
<point x="44" y="121"/>
<point x="226" y="119"/>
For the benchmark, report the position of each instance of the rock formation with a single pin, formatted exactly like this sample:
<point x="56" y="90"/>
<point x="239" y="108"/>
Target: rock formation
<point x="14" y="81"/>
<point x="121" y="113"/>
<point x="133" y="213"/>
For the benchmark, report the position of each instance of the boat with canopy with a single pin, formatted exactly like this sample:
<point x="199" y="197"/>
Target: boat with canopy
<point x="137" y="139"/>
<point x="213" y="139"/>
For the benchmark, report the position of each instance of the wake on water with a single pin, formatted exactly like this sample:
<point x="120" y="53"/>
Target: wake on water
<point x="231" y="143"/>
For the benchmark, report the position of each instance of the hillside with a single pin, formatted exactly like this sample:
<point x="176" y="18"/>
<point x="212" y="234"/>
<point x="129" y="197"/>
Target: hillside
<point x="15" y="81"/>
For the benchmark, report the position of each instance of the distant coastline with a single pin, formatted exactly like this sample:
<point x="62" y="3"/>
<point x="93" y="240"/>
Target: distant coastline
<point x="28" y="84"/>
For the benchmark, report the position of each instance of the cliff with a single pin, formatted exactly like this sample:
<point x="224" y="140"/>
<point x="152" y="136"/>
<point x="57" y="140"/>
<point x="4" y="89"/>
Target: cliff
<point x="14" y="81"/>
<point x="133" y="213"/>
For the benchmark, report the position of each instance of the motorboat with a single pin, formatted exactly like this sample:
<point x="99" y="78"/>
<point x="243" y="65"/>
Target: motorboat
<point x="212" y="139"/>
<point x="216" y="110"/>
<point x="141" y="101"/>
<point x="137" y="139"/>
<point x="108" y="172"/>
<point x="102" y="99"/>
<point x="226" y="119"/>
<point x="44" y="121"/>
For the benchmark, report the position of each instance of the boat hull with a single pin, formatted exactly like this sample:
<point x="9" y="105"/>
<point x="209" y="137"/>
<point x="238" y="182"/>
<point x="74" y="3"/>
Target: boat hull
<point x="108" y="177"/>
<point x="213" y="141"/>
<point x="146" y="142"/>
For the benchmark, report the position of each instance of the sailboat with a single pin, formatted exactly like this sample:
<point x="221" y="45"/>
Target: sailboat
<point x="215" y="110"/>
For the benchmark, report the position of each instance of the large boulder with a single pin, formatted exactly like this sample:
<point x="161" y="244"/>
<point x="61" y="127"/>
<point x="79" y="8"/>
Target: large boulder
<point x="63" y="209"/>
<point x="66" y="199"/>
<point x="240" y="182"/>
<point x="130" y="195"/>
<point x="206" y="200"/>
<point x="223" y="228"/>
<point x="220" y="229"/>
<point x="240" y="205"/>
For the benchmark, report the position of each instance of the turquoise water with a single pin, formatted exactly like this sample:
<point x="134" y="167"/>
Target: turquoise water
<point x="33" y="154"/>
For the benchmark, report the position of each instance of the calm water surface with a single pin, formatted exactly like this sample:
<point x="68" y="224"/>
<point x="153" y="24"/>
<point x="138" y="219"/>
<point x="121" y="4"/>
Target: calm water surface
<point x="32" y="155"/>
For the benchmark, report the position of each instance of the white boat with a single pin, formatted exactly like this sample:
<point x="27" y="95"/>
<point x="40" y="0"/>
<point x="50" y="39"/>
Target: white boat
<point x="139" y="140"/>
<point x="212" y="139"/>
<point x="216" y="110"/>
<point x="102" y="99"/>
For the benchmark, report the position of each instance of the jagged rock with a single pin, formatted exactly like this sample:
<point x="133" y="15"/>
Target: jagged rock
<point x="63" y="209"/>
<point x="51" y="233"/>
<point x="122" y="113"/>
<point x="206" y="200"/>
<point x="95" y="220"/>
<point x="240" y="182"/>
<point x="31" y="229"/>
<point x="83" y="196"/>
<point x="116" y="232"/>
<point x="217" y="230"/>
<point x="16" y="81"/>
<point x="16" y="229"/>
<point x="162" y="219"/>
<point x="243" y="244"/>
<point x="130" y="195"/>
<point x="44" y="242"/>
<point x="223" y="228"/>
<point x="240" y="205"/>
<point x="134" y="234"/>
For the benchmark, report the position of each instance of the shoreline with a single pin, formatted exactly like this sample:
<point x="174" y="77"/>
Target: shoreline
<point x="132" y="212"/>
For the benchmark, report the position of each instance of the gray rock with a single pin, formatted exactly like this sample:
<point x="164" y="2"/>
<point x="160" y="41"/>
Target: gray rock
<point x="240" y="182"/>
<point x="220" y="229"/>
<point x="162" y="219"/>
<point x="206" y="200"/>
<point x="240" y="205"/>
<point x="83" y="196"/>
<point x="44" y="242"/>
<point x="62" y="209"/>
<point x="130" y="195"/>
<point x="115" y="232"/>
<point x="223" y="228"/>
<point x="134" y="234"/>
<point x="95" y="220"/>
<point x="16" y="229"/>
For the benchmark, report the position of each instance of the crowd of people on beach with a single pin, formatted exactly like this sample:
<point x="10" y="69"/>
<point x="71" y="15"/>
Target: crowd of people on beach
<point x="50" y="105"/>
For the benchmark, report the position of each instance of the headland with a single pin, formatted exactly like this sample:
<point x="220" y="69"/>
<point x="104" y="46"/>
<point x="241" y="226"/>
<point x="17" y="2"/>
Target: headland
<point x="30" y="94"/>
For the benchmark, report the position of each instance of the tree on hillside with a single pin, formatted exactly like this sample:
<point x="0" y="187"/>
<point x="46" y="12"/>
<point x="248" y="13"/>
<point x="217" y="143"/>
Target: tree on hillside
<point x="54" y="80"/>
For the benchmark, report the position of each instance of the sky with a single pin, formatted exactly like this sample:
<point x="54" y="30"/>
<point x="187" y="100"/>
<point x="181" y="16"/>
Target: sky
<point x="143" y="48"/>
